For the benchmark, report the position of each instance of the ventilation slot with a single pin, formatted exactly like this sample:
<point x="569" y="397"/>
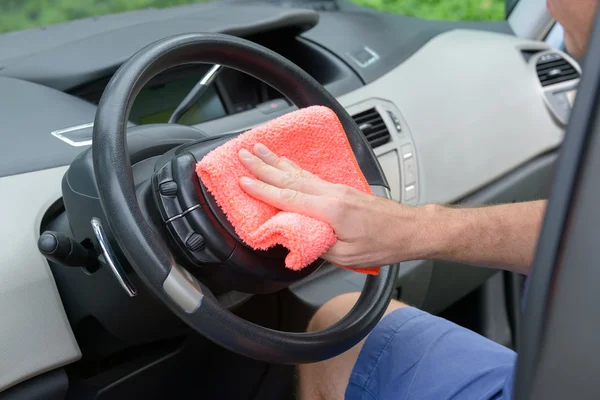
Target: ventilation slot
<point x="372" y="126"/>
<point x="553" y="69"/>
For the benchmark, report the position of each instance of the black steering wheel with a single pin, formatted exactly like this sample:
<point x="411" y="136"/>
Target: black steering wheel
<point x="196" y="233"/>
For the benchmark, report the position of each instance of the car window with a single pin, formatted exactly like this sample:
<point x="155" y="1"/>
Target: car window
<point x="24" y="14"/>
<point x="454" y="10"/>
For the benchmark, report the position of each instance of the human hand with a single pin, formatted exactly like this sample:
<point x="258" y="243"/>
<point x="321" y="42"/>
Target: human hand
<point x="367" y="226"/>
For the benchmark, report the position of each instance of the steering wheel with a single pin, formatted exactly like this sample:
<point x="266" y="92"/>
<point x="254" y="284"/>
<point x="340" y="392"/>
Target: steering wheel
<point x="196" y="234"/>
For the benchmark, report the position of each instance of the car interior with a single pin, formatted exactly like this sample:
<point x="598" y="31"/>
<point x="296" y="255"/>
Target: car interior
<point x="119" y="274"/>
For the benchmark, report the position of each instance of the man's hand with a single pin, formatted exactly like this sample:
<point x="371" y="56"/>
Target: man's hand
<point x="373" y="231"/>
<point x="368" y="227"/>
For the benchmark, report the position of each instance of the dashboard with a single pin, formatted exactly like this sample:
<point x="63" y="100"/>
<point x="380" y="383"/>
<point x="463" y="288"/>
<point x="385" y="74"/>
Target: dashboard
<point x="457" y="112"/>
<point x="233" y="92"/>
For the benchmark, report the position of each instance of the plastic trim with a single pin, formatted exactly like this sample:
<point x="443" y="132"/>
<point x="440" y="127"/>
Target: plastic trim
<point x="59" y="133"/>
<point x="558" y="87"/>
<point x="111" y="259"/>
<point x="381" y="191"/>
<point x="530" y="19"/>
<point x="183" y="289"/>
<point x="35" y="334"/>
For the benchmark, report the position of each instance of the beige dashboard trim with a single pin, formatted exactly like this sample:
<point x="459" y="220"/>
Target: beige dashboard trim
<point x="35" y="335"/>
<point x="474" y="108"/>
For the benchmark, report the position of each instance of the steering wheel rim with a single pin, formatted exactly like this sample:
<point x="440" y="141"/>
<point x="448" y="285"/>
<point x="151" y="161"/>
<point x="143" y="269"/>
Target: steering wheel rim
<point x="150" y="256"/>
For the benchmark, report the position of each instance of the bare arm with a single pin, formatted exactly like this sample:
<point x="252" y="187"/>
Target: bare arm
<point x="501" y="236"/>
<point x="373" y="231"/>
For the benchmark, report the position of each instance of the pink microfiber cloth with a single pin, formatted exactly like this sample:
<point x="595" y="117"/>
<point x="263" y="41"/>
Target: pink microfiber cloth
<point x="314" y="139"/>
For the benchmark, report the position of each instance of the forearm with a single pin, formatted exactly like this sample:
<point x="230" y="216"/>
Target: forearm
<point x="502" y="236"/>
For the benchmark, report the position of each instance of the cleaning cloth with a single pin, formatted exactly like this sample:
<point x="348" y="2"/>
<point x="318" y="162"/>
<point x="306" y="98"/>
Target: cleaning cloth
<point x="313" y="138"/>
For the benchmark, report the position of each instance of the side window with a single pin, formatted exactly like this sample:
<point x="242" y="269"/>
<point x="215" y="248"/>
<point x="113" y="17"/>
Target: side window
<point x="449" y="10"/>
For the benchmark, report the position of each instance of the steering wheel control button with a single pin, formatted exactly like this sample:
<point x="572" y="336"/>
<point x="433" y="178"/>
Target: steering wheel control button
<point x="184" y="173"/>
<point x="181" y="230"/>
<point x="168" y="188"/>
<point x="195" y="242"/>
<point x="163" y="175"/>
<point x="216" y="237"/>
<point x="190" y="243"/>
<point x="165" y="194"/>
<point x="169" y="207"/>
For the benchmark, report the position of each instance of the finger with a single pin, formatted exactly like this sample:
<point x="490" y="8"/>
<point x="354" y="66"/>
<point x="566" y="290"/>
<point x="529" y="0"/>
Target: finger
<point x="284" y="179"/>
<point x="265" y="154"/>
<point x="288" y="199"/>
<point x="293" y="164"/>
<point x="283" y="163"/>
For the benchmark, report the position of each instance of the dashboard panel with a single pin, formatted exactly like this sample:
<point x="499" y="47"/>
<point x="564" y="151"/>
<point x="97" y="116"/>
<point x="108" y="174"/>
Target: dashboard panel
<point x="233" y="92"/>
<point x="453" y="133"/>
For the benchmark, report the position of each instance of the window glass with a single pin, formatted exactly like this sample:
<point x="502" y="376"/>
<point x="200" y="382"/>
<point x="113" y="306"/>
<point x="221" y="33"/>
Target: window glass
<point x="453" y="10"/>
<point x="24" y="14"/>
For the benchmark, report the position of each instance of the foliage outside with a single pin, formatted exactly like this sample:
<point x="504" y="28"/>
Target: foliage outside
<point x="24" y="14"/>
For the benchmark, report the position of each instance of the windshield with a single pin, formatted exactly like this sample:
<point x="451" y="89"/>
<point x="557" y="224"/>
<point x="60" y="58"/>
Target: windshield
<point x="24" y="14"/>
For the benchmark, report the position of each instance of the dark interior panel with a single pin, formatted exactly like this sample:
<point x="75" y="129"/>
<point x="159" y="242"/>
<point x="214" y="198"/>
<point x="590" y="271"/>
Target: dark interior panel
<point x="392" y="38"/>
<point x="52" y="385"/>
<point x="233" y="92"/>
<point x="185" y="367"/>
<point x="97" y="48"/>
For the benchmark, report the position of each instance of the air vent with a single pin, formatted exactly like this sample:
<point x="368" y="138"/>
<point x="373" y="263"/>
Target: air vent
<point x="552" y="69"/>
<point x="372" y="126"/>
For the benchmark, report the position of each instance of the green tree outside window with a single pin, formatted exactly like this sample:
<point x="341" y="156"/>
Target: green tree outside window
<point x="24" y="14"/>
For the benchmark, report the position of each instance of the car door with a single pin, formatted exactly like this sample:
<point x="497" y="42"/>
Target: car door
<point x="559" y="354"/>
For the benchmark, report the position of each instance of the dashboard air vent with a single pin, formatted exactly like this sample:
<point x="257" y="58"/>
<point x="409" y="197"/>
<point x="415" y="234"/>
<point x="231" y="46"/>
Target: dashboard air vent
<point x="373" y="127"/>
<point x="552" y="69"/>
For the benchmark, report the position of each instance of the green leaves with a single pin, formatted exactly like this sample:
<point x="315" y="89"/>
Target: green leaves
<point x="456" y="10"/>
<point x="24" y="14"/>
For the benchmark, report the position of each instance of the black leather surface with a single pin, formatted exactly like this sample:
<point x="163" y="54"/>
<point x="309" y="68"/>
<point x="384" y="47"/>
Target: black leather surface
<point x="149" y="255"/>
<point x="260" y="343"/>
